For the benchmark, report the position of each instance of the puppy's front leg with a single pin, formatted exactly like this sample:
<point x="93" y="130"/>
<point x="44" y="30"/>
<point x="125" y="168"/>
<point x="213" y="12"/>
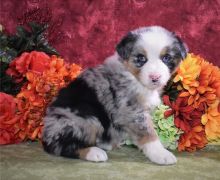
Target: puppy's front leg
<point x="147" y="140"/>
<point x="155" y="151"/>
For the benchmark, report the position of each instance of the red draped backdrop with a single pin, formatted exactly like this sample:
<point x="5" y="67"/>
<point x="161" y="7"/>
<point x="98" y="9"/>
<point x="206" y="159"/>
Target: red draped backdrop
<point x="86" y="31"/>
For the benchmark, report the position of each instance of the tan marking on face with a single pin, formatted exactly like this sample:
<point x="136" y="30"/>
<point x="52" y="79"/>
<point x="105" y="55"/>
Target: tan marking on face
<point x="138" y="49"/>
<point x="129" y="64"/>
<point x="131" y="68"/>
<point x="176" y="61"/>
<point x="164" y="51"/>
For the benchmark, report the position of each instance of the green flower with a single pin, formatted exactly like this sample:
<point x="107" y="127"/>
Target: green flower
<point x="168" y="133"/>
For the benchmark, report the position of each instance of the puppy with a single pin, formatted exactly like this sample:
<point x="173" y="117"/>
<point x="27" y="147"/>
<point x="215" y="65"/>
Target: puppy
<point x="112" y="102"/>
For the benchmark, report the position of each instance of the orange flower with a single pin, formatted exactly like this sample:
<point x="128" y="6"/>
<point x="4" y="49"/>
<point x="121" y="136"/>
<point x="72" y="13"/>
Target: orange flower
<point x="34" y="61"/>
<point x="211" y="120"/>
<point x="38" y="92"/>
<point x="209" y="79"/>
<point x="193" y="140"/>
<point x="188" y="72"/>
<point x="8" y="119"/>
<point x="207" y="82"/>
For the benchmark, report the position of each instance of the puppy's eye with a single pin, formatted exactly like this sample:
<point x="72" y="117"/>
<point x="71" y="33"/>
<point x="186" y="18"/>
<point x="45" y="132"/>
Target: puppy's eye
<point x="166" y="58"/>
<point x="140" y="60"/>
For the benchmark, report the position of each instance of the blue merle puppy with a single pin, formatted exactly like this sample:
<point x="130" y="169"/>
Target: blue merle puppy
<point x="112" y="102"/>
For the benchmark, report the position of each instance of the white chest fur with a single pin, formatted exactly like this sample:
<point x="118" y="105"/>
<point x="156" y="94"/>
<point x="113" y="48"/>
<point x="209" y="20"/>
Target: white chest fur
<point x="152" y="98"/>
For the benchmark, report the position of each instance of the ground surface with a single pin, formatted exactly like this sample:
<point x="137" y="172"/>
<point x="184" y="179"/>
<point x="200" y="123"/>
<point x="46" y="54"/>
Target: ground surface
<point x="28" y="161"/>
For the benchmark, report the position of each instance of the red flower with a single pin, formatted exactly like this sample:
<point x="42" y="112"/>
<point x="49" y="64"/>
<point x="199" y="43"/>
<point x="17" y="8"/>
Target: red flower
<point x="33" y="61"/>
<point x="188" y="119"/>
<point x="8" y="119"/>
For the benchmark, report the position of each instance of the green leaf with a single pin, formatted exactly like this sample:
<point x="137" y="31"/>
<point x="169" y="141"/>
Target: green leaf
<point x="21" y="32"/>
<point x="26" y="41"/>
<point x="36" y="28"/>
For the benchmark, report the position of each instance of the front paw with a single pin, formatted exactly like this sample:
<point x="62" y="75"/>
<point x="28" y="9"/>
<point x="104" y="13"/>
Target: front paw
<point x="162" y="157"/>
<point x="158" y="154"/>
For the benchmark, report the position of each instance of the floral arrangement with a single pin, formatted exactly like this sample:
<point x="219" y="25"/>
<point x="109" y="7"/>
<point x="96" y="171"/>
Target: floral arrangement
<point x="21" y="116"/>
<point x="196" y="106"/>
<point x="33" y="73"/>
<point x="38" y="76"/>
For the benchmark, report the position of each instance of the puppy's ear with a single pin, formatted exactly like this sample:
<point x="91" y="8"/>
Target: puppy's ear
<point x="125" y="46"/>
<point x="182" y="47"/>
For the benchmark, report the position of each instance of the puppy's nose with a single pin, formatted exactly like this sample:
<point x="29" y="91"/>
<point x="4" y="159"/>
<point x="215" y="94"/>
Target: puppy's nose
<point x="154" y="77"/>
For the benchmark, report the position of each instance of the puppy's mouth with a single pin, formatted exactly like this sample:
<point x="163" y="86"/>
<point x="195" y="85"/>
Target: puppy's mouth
<point x="155" y="85"/>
